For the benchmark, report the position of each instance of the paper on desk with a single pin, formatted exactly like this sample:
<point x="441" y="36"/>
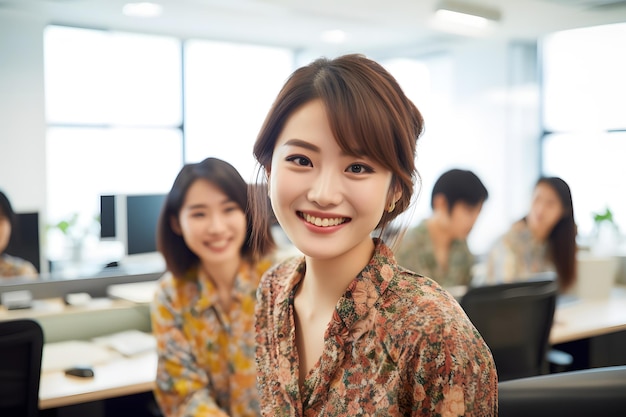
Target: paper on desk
<point x="128" y="342"/>
<point x="62" y="355"/>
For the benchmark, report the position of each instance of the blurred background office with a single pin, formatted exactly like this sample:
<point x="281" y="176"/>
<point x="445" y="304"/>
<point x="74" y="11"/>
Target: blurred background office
<point x="94" y="102"/>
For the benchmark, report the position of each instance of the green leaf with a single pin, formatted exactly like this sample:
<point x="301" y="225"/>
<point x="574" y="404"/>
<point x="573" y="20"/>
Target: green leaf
<point x="601" y="217"/>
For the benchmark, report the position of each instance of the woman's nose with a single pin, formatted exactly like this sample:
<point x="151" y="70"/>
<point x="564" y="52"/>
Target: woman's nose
<point x="325" y="190"/>
<point x="215" y="223"/>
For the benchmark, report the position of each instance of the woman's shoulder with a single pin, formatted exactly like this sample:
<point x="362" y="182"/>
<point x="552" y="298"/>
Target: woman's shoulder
<point x="177" y="288"/>
<point x="418" y="308"/>
<point x="14" y="266"/>
<point x="418" y="294"/>
<point x="279" y="274"/>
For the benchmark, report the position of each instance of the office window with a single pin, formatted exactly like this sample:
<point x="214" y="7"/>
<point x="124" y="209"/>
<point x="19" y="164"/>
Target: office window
<point x="593" y="166"/>
<point x="584" y="86"/>
<point x="114" y="114"/>
<point x="112" y="78"/>
<point x="229" y="89"/>
<point x="584" y="118"/>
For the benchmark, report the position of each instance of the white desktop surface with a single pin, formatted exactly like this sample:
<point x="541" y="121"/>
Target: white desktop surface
<point x="137" y="292"/>
<point x="114" y="378"/>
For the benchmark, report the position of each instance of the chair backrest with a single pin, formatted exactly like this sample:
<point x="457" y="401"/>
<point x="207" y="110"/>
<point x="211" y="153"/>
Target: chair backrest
<point x="599" y="392"/>
<point x="21" y="349"/>
<point x="515" y="320"/>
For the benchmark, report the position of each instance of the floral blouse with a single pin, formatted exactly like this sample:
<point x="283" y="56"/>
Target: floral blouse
<point x="516" y="256"/>
<point x="206" y="363"/>
<point x="397" y="345"/>
<point x="12" y="266"/>
<point x="416" y="252"/>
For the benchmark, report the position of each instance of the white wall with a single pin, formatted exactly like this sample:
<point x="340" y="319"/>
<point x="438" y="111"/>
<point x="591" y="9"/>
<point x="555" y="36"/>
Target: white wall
<point x="22" y="119"/>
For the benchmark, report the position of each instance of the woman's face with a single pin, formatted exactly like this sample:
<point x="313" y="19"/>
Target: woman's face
<point x="328" y="202"/>
<point x="5" y="232"/>
<point x="545" y="211"/>
<point x="212" y="225"/>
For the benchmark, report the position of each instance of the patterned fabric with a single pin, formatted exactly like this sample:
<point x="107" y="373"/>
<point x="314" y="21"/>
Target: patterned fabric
<point x="11" y="266"/>
<point x="397" y="345"/>
<point x="206" y="355"/>
<point x="416" y="252"/>
<point x="516" y="256"/>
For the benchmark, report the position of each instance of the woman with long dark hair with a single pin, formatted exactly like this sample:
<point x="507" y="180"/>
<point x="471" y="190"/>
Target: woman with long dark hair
<point x="544" y="240"/>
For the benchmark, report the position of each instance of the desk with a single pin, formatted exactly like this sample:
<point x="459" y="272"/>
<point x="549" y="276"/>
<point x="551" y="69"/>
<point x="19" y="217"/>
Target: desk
<point x="118" y="377"/>
<point x="121" y="376"/>
<point x="583" y="319"/>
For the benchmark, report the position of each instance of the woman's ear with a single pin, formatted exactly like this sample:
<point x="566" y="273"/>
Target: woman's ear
<point x="397" y="193"/>
<point x="175" y="225"/>
<point x="440" y="203"/>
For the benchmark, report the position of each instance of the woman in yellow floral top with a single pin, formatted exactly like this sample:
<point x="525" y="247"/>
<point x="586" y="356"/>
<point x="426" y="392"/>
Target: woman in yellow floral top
<point x="203" y="311"/>
<point x="344" y="330"/>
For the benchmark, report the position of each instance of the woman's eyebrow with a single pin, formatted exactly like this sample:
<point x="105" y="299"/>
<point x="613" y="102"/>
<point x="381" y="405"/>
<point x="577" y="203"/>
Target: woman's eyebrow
<point x="302" y="144"/>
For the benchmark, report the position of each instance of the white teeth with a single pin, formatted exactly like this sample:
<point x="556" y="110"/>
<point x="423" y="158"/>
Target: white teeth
<point x="324" y="222"/>
<point x="218" y="245"/>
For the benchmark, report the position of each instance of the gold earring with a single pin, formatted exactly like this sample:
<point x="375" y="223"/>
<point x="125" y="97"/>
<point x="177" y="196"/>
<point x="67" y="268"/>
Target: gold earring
<point x="391" y="207"/>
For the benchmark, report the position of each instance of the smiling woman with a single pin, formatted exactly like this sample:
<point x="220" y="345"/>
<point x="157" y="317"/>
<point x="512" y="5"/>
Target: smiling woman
<point x="203" y="311"/>
<point x="345" y="330"/>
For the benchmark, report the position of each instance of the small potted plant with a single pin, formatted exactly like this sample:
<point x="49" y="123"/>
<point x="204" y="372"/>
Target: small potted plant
<point x="606" y="233"/>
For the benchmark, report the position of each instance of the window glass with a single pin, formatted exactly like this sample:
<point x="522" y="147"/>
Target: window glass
<point x="98" y="77"/>
<point x="593" y="166"/>
<point x="584" y="102"/>
<point x="83" y="163"/>
<point x="114" y="114"/>
<point x="584" y="86"/>
<point x="229" y="89"/>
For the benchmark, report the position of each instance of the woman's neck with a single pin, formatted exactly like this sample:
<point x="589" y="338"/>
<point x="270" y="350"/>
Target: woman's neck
<point x="439" y="233"/>
<point x="326" y="280"/>
<point x="222" y="274"/>
<point x="539" y="234"/>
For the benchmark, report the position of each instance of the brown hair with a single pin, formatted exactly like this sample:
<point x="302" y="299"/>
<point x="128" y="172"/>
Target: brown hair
<point x="367" y="110"/>
<point x="178" y="257"/>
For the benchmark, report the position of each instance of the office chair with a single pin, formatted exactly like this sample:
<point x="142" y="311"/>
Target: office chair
<point x="515" y="320"/>
<point x="598" y="392"/>
<point x="21" y="349"/>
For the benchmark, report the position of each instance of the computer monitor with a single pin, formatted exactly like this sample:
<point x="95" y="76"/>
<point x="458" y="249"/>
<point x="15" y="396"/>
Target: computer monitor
<point x="107" y="216"/>
<point x="132" y="220"/>
<point x="24" y="242"/>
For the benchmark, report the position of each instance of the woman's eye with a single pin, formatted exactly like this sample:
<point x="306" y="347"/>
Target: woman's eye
<point x="300" y="160"/>
<point x="359" y="169"/>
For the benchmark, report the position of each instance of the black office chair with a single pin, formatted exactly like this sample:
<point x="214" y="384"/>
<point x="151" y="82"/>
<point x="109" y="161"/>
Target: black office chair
<point x="598" y="392"/>
<point x="21" y="349"/>
<point x="515" y="320"/>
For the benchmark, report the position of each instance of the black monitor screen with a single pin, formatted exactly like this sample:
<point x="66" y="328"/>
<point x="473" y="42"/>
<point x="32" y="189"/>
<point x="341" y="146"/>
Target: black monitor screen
<point x="107" y="216"/>
<point x="24" y="242"/>
<point x="142" y="214"/>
